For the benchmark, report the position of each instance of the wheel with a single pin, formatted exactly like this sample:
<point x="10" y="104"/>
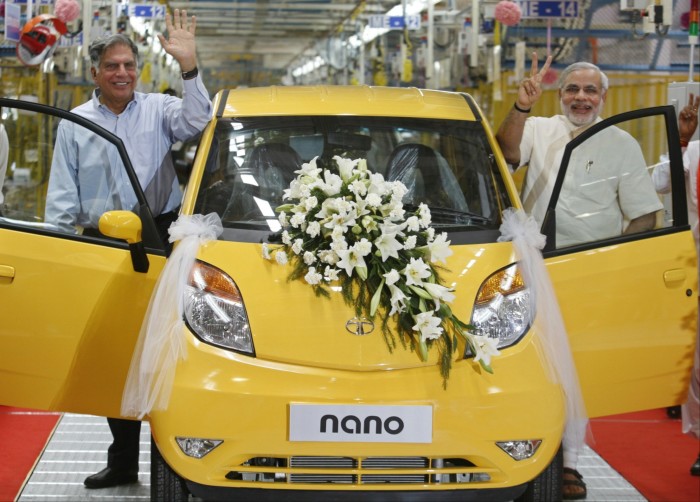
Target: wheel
<point x="548" y="485"/>
<point x="166" y="485"/>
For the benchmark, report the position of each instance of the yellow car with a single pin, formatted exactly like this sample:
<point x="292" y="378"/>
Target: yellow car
<point x="295" y="382"/>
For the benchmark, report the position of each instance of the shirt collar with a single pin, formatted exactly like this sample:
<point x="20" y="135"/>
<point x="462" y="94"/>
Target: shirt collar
<point x="98" y="104"/>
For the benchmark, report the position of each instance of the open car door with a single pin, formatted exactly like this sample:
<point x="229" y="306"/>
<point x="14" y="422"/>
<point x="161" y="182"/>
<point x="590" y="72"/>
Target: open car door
<point x="72" y="298"/>
<point x="629" y="301"/>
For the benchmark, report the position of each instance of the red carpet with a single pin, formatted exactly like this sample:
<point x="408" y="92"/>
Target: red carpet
<point x="23" y="435"/>
<point x="649" y="450"/>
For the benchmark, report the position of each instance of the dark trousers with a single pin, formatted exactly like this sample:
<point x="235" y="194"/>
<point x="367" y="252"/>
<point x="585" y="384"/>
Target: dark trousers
<point x="123" y="453"/>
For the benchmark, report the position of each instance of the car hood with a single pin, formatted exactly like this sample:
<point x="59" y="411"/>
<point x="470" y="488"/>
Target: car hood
<point x="290" y="324"/>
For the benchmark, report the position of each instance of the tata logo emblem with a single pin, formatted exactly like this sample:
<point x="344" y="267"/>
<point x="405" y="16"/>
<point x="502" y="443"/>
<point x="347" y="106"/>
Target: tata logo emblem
<point x="359" y="326"/>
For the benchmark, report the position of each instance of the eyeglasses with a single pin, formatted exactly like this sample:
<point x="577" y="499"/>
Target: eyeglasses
<point x="589" y="90"/>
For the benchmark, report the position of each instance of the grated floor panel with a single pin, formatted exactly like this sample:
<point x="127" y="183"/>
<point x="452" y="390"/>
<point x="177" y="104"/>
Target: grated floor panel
<point x="79" y="445"/>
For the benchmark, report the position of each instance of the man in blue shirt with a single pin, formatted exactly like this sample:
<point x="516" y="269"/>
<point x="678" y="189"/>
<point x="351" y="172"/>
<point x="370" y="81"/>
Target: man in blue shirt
<point x="87" y="178"/>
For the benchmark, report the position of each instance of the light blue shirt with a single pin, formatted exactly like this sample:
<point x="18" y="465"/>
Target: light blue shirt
<point x="88" y="178"/>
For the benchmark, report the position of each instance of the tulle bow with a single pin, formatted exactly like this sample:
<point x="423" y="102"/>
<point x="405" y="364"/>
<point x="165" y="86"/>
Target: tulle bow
<point x="161" y="342"/>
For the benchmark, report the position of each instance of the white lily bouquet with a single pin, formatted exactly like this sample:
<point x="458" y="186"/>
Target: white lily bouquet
<point x="350" y="227"/>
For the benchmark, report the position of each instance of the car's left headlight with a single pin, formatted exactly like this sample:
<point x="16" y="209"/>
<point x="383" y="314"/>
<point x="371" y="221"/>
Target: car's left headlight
<point x="502" y="309"/>
<point x="214" y="309"/>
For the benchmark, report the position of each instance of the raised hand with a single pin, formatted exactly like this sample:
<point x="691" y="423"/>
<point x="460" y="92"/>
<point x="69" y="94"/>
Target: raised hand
<point x="180" y="43"/>
<point x="530" y="88"/>
<point x="688" y="118"/>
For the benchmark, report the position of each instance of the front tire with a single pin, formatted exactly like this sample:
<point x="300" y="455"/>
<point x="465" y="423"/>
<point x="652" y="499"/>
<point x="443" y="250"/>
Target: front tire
<point x="548" y="485"/>
<point x="166" y="485"/>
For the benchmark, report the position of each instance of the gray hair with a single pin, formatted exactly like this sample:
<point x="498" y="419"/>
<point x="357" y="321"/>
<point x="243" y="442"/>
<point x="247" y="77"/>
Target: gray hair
<point x="582" y="65"/>
<point x="99" y="46"/>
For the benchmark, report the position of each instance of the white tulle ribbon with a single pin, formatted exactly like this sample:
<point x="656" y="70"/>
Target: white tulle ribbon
<point x="523" y="230"/>
<point x="161" y="342"/>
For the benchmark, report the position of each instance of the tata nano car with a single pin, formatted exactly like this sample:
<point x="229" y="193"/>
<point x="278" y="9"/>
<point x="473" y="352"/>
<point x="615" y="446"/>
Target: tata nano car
<point x="288" y="395"/>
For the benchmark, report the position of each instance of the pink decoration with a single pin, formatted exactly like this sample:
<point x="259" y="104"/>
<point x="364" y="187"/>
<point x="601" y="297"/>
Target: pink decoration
<point x="67" y="10"/>
<point x="507" y="13"/>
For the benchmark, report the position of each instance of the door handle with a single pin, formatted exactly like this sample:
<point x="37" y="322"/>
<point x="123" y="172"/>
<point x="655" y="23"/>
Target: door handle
<point x="674" y="277"/>
<point x="7" y="272"/>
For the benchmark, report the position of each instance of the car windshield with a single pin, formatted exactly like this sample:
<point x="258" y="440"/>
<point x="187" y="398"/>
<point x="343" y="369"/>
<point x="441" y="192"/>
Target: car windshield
<point x="445" y="164"/>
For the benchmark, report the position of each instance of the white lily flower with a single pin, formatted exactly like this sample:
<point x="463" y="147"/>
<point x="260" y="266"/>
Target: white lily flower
<point x="392" y="277"/>
<point x="369" y="223"/>
<point x="309" y="169"/>
<point x="428" y="325"/>
<point x="486" y="347"/>
<point x="332" y="183"/>
<point x="416" y="271"/>
<point x="331" y="273"/>
<point x="362" y="166"/>
<point x="345" y="167"/>
<point x="439" y="248"/>
<point x="438" y="293"/>
<point x="388" y="246"/>
<point x="397" y="301"/>
<point x="350" y="260"/>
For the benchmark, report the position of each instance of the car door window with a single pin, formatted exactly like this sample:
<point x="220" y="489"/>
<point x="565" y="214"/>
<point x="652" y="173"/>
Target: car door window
<point x="64" y="173"/>
<point x="610" y="177"/>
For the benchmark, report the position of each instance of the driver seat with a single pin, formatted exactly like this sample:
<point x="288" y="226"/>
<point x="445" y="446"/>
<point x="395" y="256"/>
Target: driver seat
<point x="427" y="179"/>
<point x="268" y="171"/>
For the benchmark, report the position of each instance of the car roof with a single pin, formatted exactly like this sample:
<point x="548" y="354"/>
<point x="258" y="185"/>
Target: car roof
<point x="345" y="100"/>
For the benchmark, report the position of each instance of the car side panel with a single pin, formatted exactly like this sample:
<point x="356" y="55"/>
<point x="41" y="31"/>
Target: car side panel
<point x="71" y="317"/>
<point x="631" y="312"/>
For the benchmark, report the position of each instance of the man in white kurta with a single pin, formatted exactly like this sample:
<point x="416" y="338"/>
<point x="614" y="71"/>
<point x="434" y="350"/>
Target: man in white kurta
<point x="606" y="185"/>
<point x="607" y="190"/>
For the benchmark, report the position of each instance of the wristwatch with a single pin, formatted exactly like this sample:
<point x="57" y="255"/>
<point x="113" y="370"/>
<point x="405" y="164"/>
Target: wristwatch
<point x="189" y="75"/>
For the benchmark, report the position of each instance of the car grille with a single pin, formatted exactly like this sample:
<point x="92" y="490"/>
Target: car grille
<point x="360" y="471"/>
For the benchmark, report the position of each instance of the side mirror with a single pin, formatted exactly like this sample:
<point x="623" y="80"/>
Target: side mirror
<point x="126" y="226"/>
<point x="39" y="38"/>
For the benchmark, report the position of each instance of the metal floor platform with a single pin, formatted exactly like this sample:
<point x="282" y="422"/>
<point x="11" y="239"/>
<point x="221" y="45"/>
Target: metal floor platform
<point x="79" y="444"/>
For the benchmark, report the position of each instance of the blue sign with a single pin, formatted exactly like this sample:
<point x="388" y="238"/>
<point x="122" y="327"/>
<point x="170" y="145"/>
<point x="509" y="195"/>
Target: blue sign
<point x="142" y="10"/>
<point x="532" y="9"/>
<point x="35" y="2"/>
<point x="395" y="22"/>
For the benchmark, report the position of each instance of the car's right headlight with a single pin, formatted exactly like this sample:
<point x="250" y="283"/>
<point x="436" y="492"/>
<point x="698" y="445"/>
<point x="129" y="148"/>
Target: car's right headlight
<point x="502" y="309"/>
<point x="214" y="309"/>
